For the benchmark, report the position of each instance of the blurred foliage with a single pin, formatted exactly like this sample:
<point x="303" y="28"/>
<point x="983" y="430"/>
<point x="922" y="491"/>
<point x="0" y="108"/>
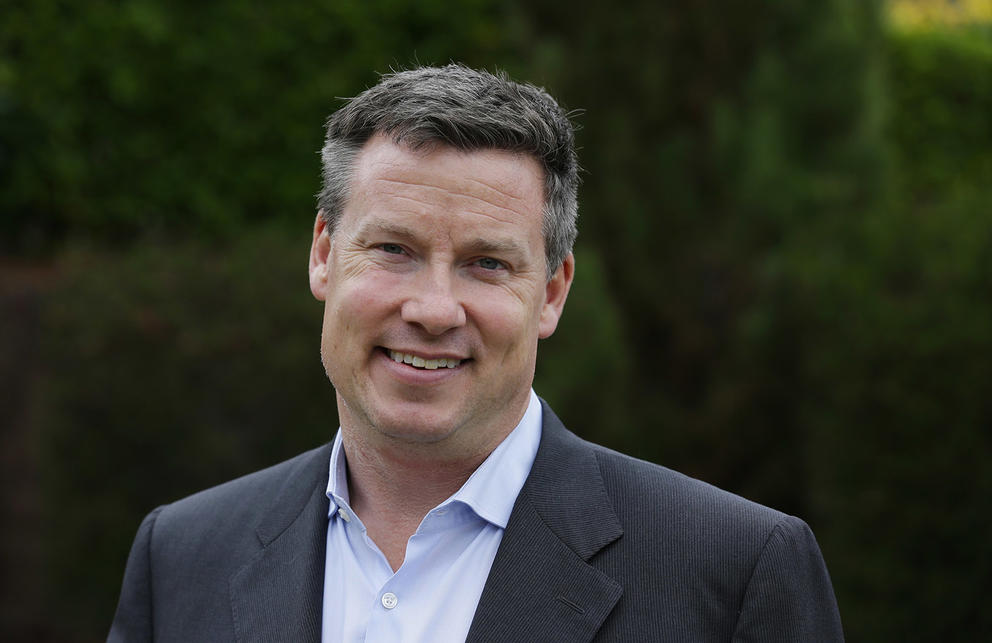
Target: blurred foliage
<point x="940" y="124"/>
<point x="717" y="142"/>
<point x="899" y="337"/>
<point x="173" y="367"/>
<point x="782" y="269"/>
<point x="123" y="117"/>
<point x="926" y="13"/>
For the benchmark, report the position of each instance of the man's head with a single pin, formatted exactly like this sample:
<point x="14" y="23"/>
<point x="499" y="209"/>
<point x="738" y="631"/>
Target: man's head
<point x="468" y="110"/>
<point x="430" y="255"/>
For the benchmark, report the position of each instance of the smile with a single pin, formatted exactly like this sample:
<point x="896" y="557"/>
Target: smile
<point x="420" y="362"/>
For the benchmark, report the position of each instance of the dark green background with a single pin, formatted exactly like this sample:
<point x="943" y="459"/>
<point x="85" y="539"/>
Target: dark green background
<point x="783" y="268"/>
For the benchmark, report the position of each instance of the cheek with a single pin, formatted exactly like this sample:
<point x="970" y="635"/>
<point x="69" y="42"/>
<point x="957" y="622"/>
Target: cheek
<point x="506" y="325"/>
<point x="330" y="338"/>
<point x="353" y="306"/>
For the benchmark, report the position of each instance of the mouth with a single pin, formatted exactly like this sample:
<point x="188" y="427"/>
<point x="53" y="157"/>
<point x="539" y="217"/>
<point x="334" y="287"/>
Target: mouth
<point x="417" y="361"/>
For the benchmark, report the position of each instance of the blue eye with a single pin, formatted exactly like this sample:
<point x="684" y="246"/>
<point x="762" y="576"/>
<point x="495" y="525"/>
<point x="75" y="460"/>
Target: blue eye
<point x="489" y="263"/>
<point x="392" y="248"/>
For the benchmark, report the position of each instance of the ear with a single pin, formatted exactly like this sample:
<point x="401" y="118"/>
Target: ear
<point x="555" y="293"/>
<point x="319" y="251"/>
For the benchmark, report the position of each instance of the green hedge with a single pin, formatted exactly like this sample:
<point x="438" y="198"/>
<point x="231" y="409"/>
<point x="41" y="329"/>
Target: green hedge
<point x="170" y="368"/>
<point x="941" y="90"/>
<point x="900" y="330"/>
<point x="715" y="143"/>
<point x="193" y="118"/>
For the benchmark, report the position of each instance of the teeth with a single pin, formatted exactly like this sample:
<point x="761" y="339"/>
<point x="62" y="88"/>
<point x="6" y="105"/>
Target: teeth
<point x="420" y="362"/>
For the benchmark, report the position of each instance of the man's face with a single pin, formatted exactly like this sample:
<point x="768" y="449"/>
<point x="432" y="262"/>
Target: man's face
<point x="436" y="292"/>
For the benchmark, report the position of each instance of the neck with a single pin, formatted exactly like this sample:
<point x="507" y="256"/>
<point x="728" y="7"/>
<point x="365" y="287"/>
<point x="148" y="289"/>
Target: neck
<point x="393" y="482"/>
<point x="391" y="488"/>
<point x="399" y="483"/>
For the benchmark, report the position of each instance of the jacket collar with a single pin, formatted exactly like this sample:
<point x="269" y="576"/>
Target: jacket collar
<point x="541" y="587"/>
<point x="278" y="595"/>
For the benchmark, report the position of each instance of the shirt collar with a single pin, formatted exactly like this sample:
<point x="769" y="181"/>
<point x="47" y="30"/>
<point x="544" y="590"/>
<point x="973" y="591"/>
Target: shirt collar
<point x="492" y="488"/>
<point x="337" y="481"/>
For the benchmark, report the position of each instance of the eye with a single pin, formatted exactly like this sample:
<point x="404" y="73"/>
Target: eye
<point x="391" y="248"/>
<point x="488" y="263"/>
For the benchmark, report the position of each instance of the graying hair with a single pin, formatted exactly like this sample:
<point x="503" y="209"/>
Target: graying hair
<point x="468" y="110"/>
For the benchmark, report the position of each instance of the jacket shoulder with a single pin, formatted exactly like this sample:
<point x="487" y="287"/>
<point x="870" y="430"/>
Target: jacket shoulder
<point x="179" y="583"/>
<point x="234" y="518"/>
<point x="237" y="501"/>
<point x="732" y="567"/>
<point x="720" y="565"/>
<point x="641" y="488"/>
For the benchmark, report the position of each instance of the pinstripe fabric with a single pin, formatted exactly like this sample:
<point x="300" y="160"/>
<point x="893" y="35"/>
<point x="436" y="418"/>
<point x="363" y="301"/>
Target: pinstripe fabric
<point x="240" y="562"/>
<point x="603" y="547"/>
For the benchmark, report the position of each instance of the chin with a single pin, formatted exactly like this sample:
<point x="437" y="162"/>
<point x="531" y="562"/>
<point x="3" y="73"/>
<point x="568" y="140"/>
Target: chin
<point x="423" y="431"/>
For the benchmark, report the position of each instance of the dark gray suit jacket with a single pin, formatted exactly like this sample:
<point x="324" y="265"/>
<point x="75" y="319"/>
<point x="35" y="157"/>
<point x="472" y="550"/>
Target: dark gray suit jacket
<point x="599" y="547"/>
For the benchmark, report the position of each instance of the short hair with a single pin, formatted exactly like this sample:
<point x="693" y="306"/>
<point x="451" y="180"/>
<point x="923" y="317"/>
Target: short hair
<point x="469" y="110"/>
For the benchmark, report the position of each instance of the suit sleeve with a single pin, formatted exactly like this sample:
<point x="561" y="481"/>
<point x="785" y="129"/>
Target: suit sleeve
<point x="133" y="620"/>
<point x="789" y="596"/>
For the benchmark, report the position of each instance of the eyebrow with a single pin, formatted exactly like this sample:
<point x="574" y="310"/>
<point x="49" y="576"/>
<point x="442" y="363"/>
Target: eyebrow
<point x="386" y="228"/>
<point x="496" y="246"/>
<point x="502" y="246"/>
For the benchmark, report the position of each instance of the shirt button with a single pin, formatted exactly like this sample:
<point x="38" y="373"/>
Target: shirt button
<point x="389" y="600"/>
<point x="344" y="515"/>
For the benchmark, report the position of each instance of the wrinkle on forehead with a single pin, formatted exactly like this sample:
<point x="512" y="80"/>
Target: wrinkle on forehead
<point x="494" y="188"/>
<point x="500" y="177"/>
<point x="469" y="203"/>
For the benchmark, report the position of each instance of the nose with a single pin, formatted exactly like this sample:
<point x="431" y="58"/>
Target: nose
<point x="433" y="304"/>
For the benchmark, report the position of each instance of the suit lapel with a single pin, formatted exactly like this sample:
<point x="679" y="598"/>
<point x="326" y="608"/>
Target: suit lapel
<point x="541" y="587"/>
<point x="278" y="595"/>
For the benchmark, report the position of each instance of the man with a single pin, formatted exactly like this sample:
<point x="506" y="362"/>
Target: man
<point x="452" y="503"/>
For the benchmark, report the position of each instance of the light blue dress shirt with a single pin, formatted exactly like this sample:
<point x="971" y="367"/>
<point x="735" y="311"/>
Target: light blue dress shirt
<point x="433" y="595"/>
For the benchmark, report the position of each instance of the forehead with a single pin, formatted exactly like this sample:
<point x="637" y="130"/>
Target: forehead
<point x="506" y="186"/>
